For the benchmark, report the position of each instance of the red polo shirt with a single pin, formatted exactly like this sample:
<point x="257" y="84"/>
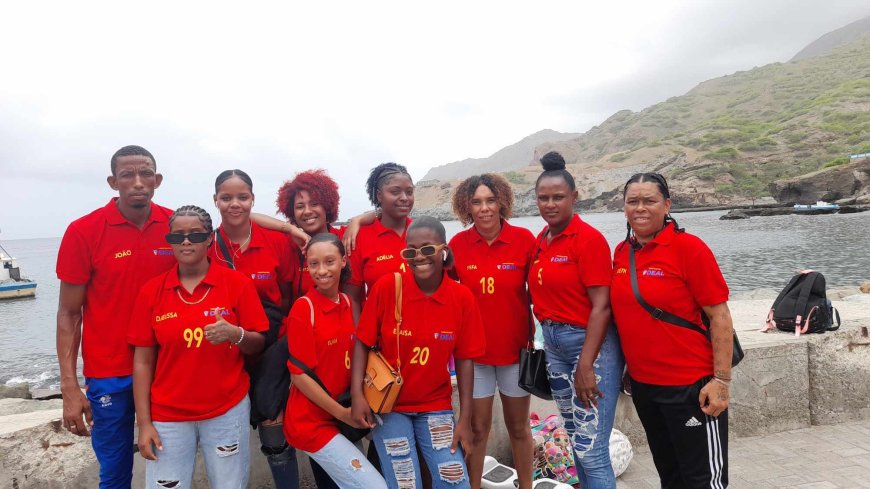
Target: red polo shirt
<point x="576" y="259"/>
<point x="325" y="348"/>
<point x="376" y="254"/>
<point x="303" y="281"/>
<point x="268" y="260"/>
<point x="195" y="380"/>
<point x="678" y="273"/>
<point x="496" y="275"/>
<point x="112" y="258"/>
<point x="434" y="327"/>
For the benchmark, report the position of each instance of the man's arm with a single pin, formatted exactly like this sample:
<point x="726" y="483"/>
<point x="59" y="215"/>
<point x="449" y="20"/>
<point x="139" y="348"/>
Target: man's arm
<point x="76" y="408"/>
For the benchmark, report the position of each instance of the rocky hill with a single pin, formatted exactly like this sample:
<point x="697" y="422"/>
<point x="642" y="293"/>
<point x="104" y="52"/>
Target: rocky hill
<point x="724" y="142"/>
<point x="833" y="39"/>
<point x="512" y="157"/>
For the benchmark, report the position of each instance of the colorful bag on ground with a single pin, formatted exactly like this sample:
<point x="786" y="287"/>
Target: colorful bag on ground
<point x="554" y="458"/>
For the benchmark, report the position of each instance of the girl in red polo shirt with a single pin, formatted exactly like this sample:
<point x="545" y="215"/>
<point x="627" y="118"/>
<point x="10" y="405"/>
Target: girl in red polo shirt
<point x="191" y="328"/>
<point x="378" y="246"/>
<point x="492" y="260"/>
<point x="440" y="318"/>
<point x="679" y="377"/>
<point x="267" y="258"/>
<point x="323" y="346"/>
<point x="569" y="281"/>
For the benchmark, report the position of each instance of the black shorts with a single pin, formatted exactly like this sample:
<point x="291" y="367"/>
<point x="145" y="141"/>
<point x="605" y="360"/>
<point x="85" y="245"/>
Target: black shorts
<point x="689" y="448"/>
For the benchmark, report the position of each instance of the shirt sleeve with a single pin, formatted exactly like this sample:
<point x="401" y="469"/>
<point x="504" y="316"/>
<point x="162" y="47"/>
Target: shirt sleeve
<point x="288" y="260"/>
<point x="703" y="276"/>
<point x="249" y="309"/>
<point x="373" y="311"/>
<point x="74" y="261"/>
<point x="595" y="263"/>
<point x="300" y="336"/>
<point x="141" y="329"/>
<point x="471" y="340"/>
<point x="356" y="266"/>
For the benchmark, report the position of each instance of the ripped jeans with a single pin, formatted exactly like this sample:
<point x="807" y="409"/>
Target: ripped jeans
<point x="397" y="439"/>
<point x="347" y="466"/>
<point x="225" y="442"/>
<point x="589" y="429"/>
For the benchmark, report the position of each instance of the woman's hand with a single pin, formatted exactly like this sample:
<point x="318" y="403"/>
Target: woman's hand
<point x="462" y="434"/>
<point x="714" y="397"/>
<point x="346" y="416"/>
<point x="148" y="439"/>
<point x="586" y="386"/>
<point x="360" y="413"/>
<point x="299" y="236"/>
<point x="221" y="331"/>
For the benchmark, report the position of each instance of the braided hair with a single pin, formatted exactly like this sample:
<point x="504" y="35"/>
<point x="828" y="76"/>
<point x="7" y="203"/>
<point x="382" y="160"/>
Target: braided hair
<point x="662" y="184"/>
<point x="193" y="211"/>
<point x="554" y="166"/>
<point x="379" y="176"/>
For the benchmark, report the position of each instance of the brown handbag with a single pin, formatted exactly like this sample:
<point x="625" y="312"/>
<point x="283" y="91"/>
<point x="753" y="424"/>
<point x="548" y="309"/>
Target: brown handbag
<point x="382" y="382"/>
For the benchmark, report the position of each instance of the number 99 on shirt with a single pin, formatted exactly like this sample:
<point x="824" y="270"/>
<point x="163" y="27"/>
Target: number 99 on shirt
<point x="191" y="335"/>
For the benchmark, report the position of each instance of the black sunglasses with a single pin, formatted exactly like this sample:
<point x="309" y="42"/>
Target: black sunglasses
<point x="194" y="238"/>
<point x="428" y="250"/>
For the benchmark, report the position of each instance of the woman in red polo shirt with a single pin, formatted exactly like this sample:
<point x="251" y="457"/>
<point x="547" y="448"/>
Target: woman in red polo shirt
<point x="679" y="377"/>
<point x="569" y="281"/>
<point x="440" y="318"/>
<point x="492" y="260"/>
<point x="378" y="246"/>
<point x="321" y="329"/>
<point x="191" y="328"/>
<point x="266" y="257"/>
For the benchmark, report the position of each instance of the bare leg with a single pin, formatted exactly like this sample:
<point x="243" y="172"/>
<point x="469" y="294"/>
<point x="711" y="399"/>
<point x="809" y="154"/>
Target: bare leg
<point x="516" y="419"/>
<point x="481" y="422"/>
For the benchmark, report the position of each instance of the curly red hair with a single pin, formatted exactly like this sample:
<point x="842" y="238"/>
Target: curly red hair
<point x="320" y="186"/>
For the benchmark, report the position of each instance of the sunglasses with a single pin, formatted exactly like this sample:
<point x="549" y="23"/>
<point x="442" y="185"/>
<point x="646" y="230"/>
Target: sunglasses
<point x="194" y="238"/>
<point x="428" y="250"/>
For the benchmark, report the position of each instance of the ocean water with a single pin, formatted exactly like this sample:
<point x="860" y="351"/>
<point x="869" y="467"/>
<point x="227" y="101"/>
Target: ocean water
<point x="762" y="252"/>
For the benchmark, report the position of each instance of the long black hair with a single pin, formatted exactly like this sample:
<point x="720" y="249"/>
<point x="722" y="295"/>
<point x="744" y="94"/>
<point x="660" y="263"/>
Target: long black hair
<point x="662" y="184"/>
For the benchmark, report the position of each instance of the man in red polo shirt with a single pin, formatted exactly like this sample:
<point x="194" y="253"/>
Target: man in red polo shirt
<point x="104" y="259"/>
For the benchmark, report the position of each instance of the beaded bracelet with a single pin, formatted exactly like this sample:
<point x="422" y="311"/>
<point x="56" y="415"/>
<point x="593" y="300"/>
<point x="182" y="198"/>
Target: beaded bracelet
<point x="241" y="337"/>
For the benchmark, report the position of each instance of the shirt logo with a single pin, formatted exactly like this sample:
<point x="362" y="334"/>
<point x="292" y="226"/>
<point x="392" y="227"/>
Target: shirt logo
<point x="262" y="276"/>
<point x="332" y="342"/>
<point x="404" y="332"/>
<point x="162" y="252"/>
<point x="384" y="257"/>
<point x="507" y="266"/>
<point x="210" y="312"/>
<point x="168" y="315"/>
<point x="653" y="272"/>
<point x="559" y="259"/>
<point x="621" y="271"/>
<point x="122" y="254"/>
<point x="471" y="267"/>
<point x="105" y="401"/>
<point x="445" y="336"/>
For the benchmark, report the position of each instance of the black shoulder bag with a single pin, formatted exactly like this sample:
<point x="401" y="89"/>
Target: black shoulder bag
<point x="533" y="362"/>
<point x="737" y="350"/>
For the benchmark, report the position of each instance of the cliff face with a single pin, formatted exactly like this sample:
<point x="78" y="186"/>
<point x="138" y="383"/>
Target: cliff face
<point x="722" y="143"/>
<point x="846" y="183"/>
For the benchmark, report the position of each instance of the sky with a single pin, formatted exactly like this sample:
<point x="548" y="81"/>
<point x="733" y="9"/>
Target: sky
<point x="274" y="88"/>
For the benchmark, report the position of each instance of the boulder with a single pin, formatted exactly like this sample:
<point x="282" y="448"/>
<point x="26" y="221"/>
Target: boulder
<point x="865" y="287"/>
<point x="849" y="181"/>
<point x="733" y="214"/>
<point x="19" y="391"/>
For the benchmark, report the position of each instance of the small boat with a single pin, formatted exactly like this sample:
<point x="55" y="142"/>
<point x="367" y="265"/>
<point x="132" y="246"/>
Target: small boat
<point x="12" y="284"/>
<point x="820" y="207"/>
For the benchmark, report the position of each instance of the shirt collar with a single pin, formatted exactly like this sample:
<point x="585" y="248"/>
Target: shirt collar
<point x="322" y="303"/>
<point x="665" y="236"/>
<point x="503" y="233"/>
<point x="211" y="276"/>
<point x="380" y="229"/>
<point x="415" y="294"/>
<point x="115" y="218"/>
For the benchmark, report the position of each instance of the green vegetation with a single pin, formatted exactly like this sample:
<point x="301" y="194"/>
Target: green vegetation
<point x="837" y="162"/>
<point x="726" y="153"/>
<point x="515" y="177"/>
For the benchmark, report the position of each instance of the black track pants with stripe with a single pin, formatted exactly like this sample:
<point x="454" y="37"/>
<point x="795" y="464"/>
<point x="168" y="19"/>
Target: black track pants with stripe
<point x="689" y="448"/>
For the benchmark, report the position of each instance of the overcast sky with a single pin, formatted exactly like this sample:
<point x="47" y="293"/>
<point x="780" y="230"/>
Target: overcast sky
<point x="273" y="88"/>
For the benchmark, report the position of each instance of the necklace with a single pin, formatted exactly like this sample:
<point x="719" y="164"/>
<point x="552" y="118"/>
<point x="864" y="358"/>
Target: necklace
<point x="189" y="303"/>
<point x="236" y="253"/>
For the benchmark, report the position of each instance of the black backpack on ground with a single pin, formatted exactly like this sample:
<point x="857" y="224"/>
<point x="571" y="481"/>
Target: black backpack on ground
<point x="803" y="306"/>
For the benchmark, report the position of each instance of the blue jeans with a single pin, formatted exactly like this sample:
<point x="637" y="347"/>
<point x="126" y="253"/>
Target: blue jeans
<point x="347" y="465"/>
<point x="397" y="439"/>
<point x="113" y="410"/>
<point x="225" y="443"/>
<point x="589" y="429"/>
